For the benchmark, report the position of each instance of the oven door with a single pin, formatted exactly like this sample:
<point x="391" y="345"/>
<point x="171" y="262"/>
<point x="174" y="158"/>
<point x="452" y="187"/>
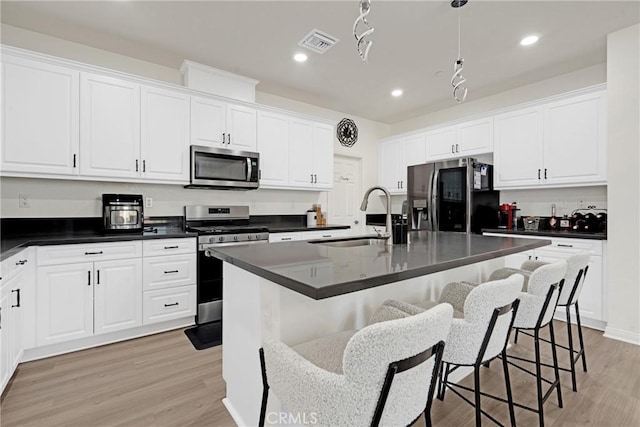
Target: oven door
<point x="223" y="168"/>
<point x="122" y="218"/>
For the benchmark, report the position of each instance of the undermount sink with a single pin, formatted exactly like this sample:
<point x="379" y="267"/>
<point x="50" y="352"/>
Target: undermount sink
<point x="349" y="242"/>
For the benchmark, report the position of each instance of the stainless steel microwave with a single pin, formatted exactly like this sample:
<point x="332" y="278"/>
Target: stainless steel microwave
<point x="221" y="168"/>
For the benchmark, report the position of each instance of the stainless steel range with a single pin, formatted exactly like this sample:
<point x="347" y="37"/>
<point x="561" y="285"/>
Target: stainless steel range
<point x="218" y="226"/>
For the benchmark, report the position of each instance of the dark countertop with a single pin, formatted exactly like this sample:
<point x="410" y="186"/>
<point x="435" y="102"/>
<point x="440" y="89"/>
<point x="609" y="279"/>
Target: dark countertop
<point x="11" y="245"/>
<point x="568" y="234"/>
<point x="289" y="223"/>
<point x="320" y="271"/>
<point x="292" y="229"/>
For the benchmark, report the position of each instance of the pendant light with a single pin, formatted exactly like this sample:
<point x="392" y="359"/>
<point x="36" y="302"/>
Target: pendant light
<point x="362" y="40"/>
<point x="457" y="80"/>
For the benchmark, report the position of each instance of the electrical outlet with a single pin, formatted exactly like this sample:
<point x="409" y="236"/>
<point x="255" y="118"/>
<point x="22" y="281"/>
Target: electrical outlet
<point x="23" y="201"/>
<point x="582" y="204"/>
<point x="148" y="202"/>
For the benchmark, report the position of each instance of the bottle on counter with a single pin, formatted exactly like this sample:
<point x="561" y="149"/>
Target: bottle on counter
<point x="553" y="221"/>
<point x="565" y="223"/>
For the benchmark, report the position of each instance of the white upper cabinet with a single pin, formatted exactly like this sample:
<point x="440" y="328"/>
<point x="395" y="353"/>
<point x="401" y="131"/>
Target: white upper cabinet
<point x="208" y="122"/>
<point x="441" y="143"/>
<point x="322" y="156"/>
<point x="475" y="137"/>
<point x="556" y="144"/>
<point x="395" y="155"/>
<point x="165" y="135"/>
<point x="241" y="128"/>
<point x="518" y="148"/>
<point x="300" y="161"/>
<point x="218" y="124"/>
<point x="575" y="131"/>
<point x="40" y="113"/>
<point x="273" y="145"/>
<point x="464" y="139"/>
<point x="109" y="127"/>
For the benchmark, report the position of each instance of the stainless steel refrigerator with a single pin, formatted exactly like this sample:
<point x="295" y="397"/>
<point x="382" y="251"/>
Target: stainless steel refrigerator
<point x="452" y="195"/>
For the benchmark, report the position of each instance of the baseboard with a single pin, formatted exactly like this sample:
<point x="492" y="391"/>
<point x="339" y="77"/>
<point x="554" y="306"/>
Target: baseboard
<point x="622" y="335"/>
<point x="99" y="340"/>
<point x="234" y="414"/>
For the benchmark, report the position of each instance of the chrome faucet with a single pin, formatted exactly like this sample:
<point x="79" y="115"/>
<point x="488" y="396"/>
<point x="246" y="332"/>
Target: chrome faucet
<point x="365" y="202"/>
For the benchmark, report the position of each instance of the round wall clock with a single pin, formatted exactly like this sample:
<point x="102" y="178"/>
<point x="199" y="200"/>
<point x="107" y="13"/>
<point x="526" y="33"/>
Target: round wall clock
<point x="347" y="132"/>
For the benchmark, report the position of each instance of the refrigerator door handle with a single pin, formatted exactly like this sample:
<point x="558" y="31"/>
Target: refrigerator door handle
<point x="434" y="201"/>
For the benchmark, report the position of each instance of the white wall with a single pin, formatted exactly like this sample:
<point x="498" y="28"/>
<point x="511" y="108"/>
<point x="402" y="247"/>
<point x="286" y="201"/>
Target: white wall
<point x="623" y="157"/>
<point x="538" y="202"/>
<point x="57" y="198"/>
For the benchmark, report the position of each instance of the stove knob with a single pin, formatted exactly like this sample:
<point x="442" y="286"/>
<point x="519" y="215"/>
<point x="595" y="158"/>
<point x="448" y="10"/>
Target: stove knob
<point x="257" y="237"/>
<point x="221" y="238"/>
<point x="249" y="237"/>
<point x="235" y="238"/>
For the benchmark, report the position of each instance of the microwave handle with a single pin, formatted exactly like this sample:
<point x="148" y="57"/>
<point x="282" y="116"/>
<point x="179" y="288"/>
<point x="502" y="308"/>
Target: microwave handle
<point x="248" y="168"/>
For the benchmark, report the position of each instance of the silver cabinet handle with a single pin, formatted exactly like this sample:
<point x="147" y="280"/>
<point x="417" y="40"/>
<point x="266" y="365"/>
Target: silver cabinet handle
<point x="97" y="277"/>
<point x="545" y="173"/>
<point x="89" y="278"/>
<point x="538" y="173"/>
<point x="74" y="160"/>
<point x="144" y="166"/>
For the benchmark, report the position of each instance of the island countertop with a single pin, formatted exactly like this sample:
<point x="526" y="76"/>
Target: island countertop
<point x="319" y="271"/>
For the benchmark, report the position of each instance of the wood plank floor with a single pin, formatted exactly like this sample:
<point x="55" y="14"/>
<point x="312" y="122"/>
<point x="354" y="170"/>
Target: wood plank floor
<point x="162" y="381"/>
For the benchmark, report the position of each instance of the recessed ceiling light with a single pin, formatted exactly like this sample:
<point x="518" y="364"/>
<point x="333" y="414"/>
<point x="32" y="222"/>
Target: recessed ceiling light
<point x="396" y="92"/>
<point x="300" y="57"/>
<point x="529" y="40"/>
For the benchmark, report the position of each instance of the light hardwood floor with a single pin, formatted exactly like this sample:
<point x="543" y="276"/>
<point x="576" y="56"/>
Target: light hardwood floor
<point x="162" y="381"/>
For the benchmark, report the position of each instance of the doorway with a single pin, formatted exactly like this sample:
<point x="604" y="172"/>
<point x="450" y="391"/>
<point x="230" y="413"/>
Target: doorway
<point x="344" y="199"/>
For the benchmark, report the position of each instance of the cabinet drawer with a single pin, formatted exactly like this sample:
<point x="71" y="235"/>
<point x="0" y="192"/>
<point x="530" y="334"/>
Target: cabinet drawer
<point x="157" y="247"/>
<point x="167" y="304"/>
<point x="575" y="245"/>
<point x="66" y="254"/>
<point x="326" y="234"/>
<point x="12" y="265"/>
<point x="168" y="271"/>
<point x="284" y="237"/>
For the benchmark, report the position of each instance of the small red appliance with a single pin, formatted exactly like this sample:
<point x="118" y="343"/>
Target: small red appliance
<point x="507" y="217"/>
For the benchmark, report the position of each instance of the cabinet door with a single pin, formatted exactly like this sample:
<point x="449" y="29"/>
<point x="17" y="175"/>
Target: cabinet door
<point x="117" y="295"/>
<point x="415" y="152"/>
<point x="40" y="110"/>
<point x="208" y="122"/>
<point x="390" y="159"/>
<point x="575" y="140"/>
<point x="109" y="127"/>
<point x="241" y="128"/>
<point x="591" y="295"/>
<point x="518" y="149"/>
<point x="322" y="155"/>
<point x="15" y="287"/>
<point x="475" y="137"/>
<point x="273" y="146"/>
<point x="5" y="337"/>
<point x="300" y="161"/>
<point x="65" y="303"/>
<point x="165" y="135"/>
<point x="516" y="260"/>
<point x="441" y="143"/>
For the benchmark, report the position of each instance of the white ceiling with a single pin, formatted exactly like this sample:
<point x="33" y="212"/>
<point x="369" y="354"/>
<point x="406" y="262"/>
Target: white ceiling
<point x="413" y="40"/>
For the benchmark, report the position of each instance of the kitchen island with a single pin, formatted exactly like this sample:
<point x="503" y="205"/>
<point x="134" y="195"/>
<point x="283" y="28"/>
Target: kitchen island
<point x="295" y="292"/>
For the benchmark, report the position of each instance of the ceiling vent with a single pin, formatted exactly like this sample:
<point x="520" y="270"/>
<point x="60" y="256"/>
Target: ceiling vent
<point x="318" y="41"/>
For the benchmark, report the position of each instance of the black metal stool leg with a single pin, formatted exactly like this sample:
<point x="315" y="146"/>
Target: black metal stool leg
<point x="571" y="358"/>
<point x="584" y="352"/>
<point x="444" y="377"/>
<point x="265" y="390"/>
<point x="505" y="367"/>
<point x="555" y="362"/>
<point x="536" y="342"/>
<point x="476" y="381"/>
<point x="515" y="339"/>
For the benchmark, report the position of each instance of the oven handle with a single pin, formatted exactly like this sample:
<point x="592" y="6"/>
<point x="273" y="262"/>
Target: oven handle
<point x="248" y="168"/>
<point x="206" y="248"/>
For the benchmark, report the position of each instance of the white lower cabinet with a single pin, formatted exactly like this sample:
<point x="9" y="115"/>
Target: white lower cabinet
<point x="593" y="296"/>
<point x="171" y="303"/>
<point x="65" y="303"/>
<point x="169" y="281"/>
<point x="117" y="295"/>
<point x="307" y="235"/>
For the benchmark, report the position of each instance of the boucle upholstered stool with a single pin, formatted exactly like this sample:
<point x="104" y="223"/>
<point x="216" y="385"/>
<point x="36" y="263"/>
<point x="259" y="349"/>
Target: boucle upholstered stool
<point x="535" y="311"/>
<point x="577" y="267"/>
<point x="382" y="374"/>
<point x="488" y="311"/>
